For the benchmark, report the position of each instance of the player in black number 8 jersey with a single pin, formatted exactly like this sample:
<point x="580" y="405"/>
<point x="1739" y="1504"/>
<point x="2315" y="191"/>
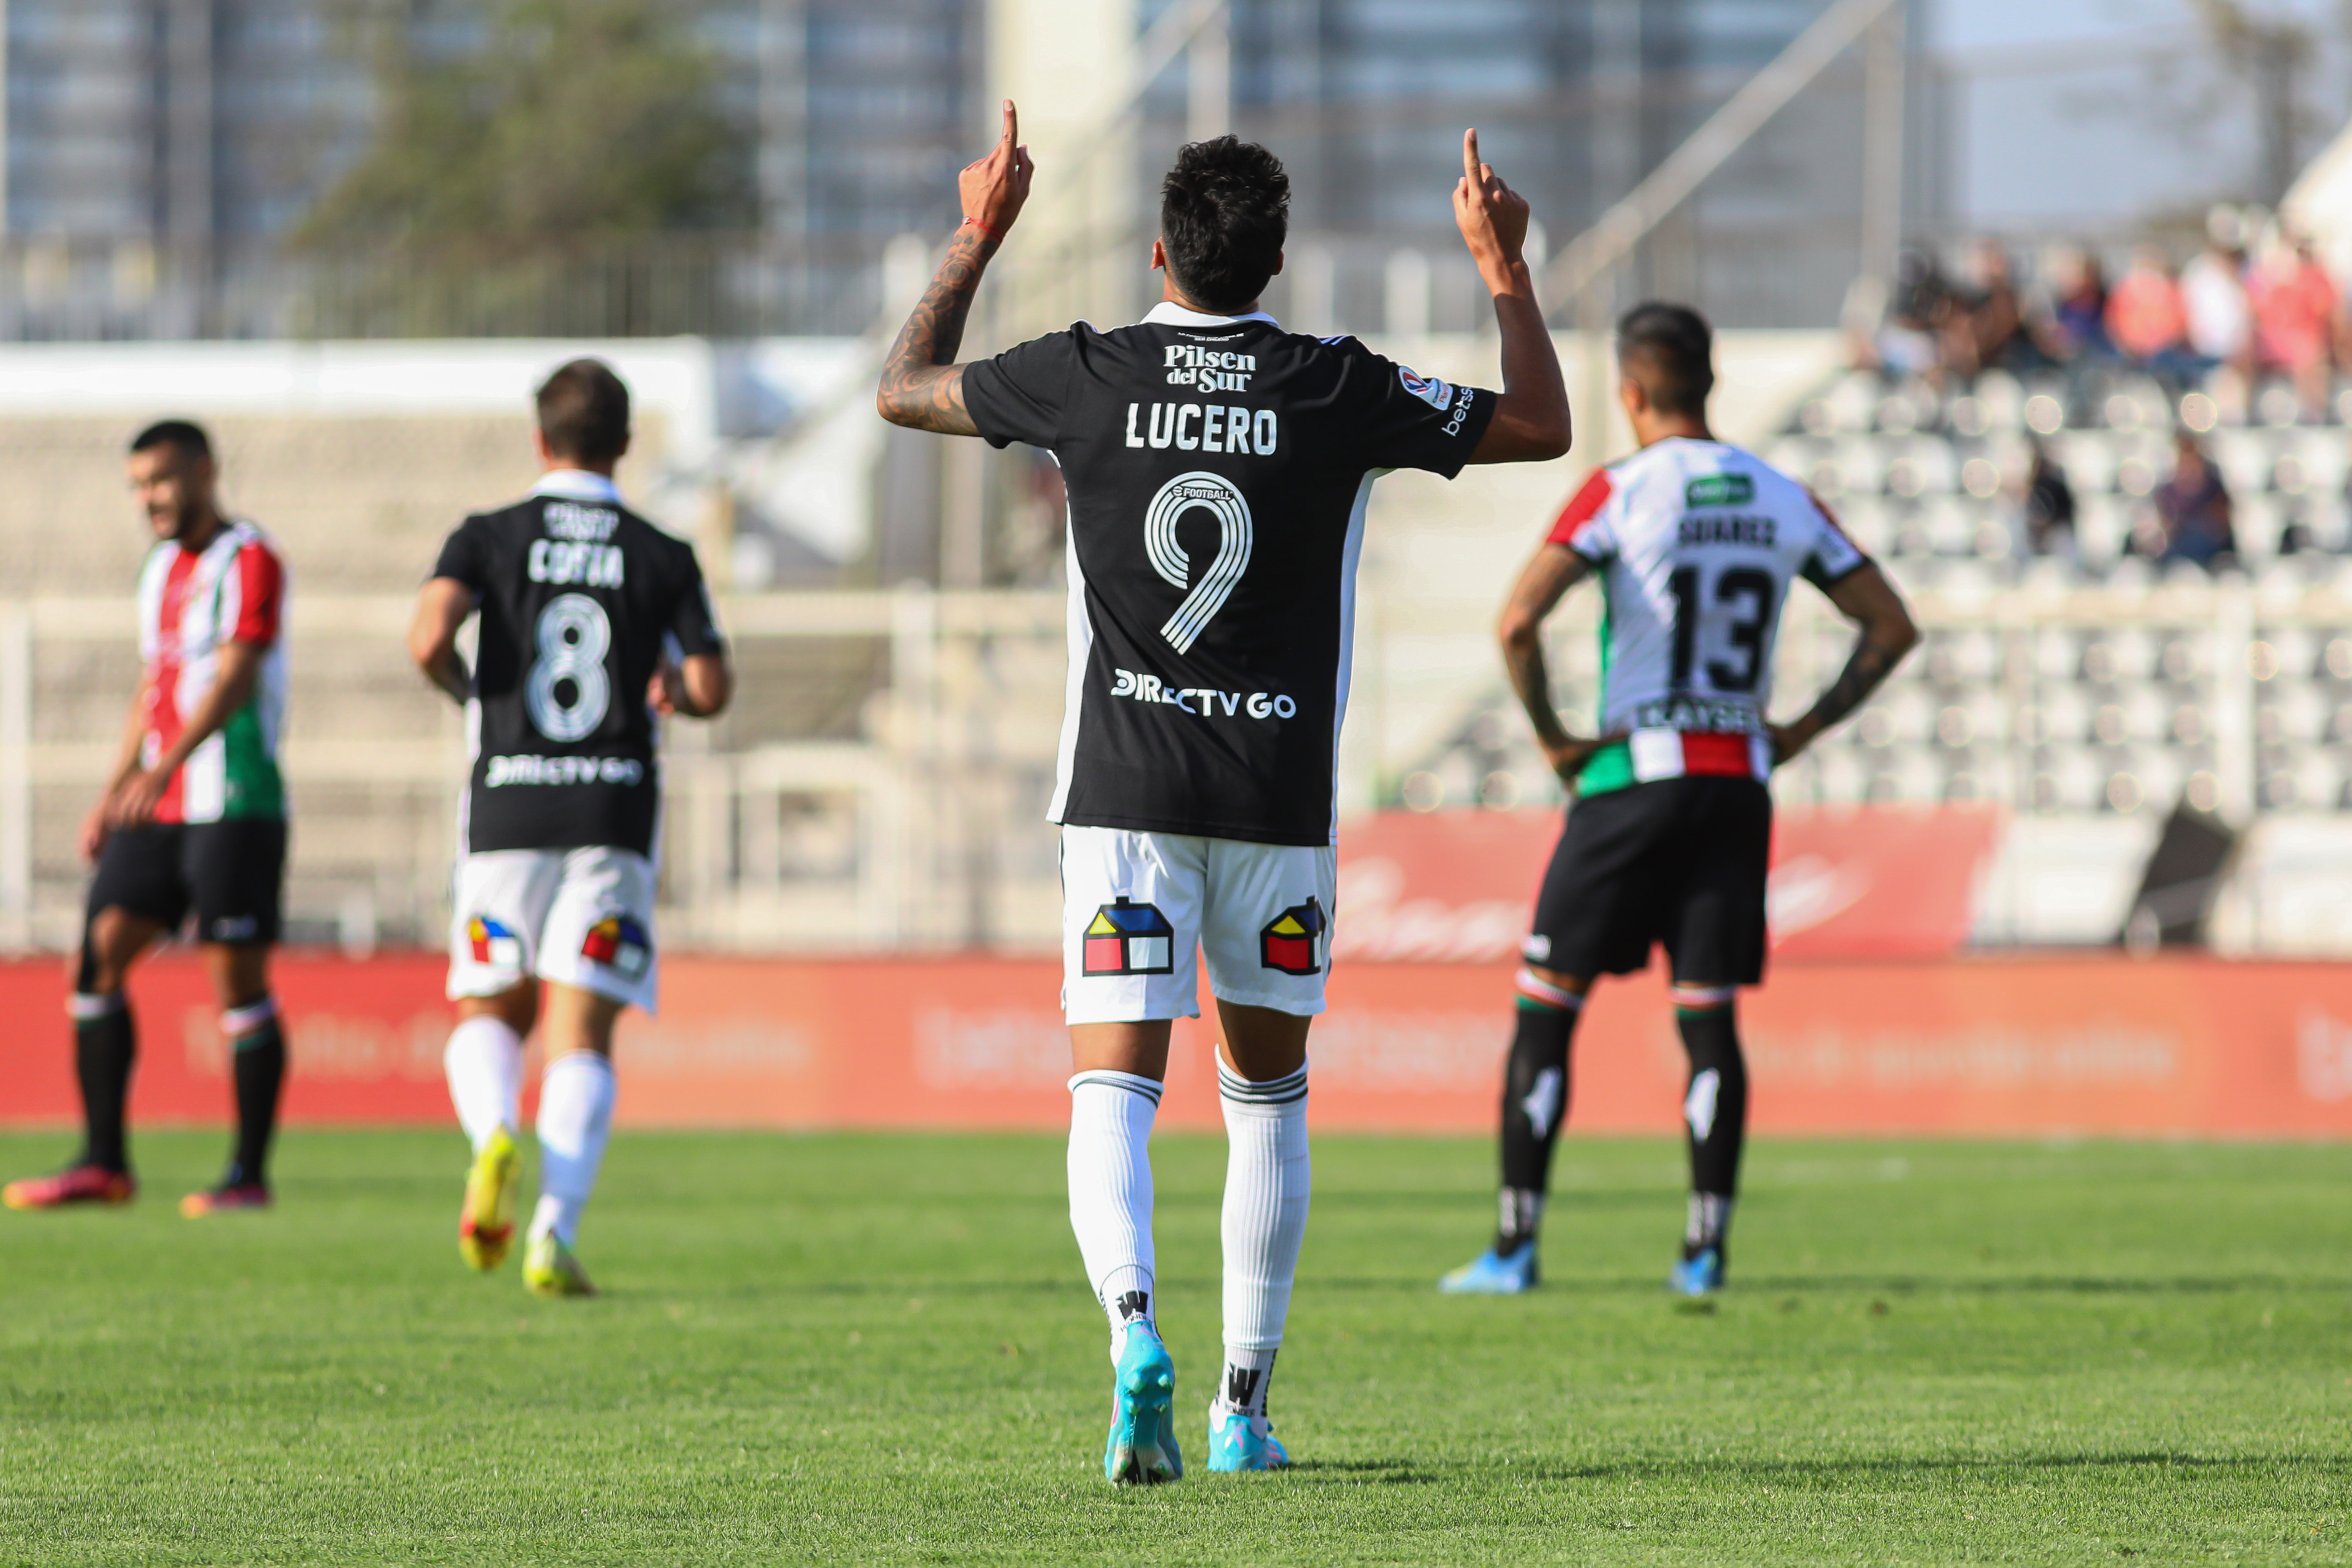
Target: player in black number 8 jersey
<point x="593" y="622"/>
<point x="1218" y="469"/>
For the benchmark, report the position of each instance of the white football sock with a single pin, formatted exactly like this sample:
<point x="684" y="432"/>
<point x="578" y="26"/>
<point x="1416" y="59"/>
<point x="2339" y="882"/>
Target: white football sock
<point x="484" y="1062"/>
<point x="1267" y="1180"/>
<point x="1110" y="1192"/>
<point x="575" y="1116"/>
<point x="1248" y="1373"/>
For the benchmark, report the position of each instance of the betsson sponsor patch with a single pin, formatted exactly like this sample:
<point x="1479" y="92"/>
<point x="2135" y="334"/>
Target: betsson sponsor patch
<point x="504" y="770"/>
<point x="1203" y="701"/>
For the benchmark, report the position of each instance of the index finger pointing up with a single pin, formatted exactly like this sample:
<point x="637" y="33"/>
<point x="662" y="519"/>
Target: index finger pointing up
<point x="1012" y="124"/>
<point x="1470" y="155"/>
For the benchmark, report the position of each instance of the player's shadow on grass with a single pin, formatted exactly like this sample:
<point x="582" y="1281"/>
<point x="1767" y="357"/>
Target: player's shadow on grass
<point x="1360" y="1472"/>
<point x="1825" y="1472"/>
<point x="1761" y="1289"/>
<point x="2036" y="1284"/>
<point x="1481" y="1204"/>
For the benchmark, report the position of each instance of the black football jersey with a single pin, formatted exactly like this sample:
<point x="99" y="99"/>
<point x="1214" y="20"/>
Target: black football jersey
<point x="579" y="597"/>
<point x="1218" y="468"/>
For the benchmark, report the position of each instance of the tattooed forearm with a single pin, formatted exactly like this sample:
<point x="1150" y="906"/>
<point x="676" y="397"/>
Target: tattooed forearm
<point x="1523" y="660"/>
<point x="1871" y="664"/>
<point x="922" y="387"/>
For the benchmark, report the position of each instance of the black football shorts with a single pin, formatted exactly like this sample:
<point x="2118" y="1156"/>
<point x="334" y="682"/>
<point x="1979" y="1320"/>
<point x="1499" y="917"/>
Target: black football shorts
<point x="232" y="874"/>
<point x="1680" y="861"/>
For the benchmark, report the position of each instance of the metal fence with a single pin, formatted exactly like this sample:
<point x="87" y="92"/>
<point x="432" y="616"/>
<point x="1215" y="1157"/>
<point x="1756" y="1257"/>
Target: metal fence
<point x="881" y="783"/>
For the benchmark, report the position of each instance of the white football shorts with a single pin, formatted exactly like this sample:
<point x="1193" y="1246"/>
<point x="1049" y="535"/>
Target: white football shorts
<point x="1136" y="907"/>
<point x="578" y="917"/>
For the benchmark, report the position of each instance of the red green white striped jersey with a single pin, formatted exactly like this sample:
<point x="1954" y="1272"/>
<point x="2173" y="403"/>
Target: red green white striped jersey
<point x="1697" y="543"/>
<point x="189" y="604"/>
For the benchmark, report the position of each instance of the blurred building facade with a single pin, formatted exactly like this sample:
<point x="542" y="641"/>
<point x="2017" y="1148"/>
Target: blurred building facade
<point x="1576" y="101"/>
<point x="156" y="153"/>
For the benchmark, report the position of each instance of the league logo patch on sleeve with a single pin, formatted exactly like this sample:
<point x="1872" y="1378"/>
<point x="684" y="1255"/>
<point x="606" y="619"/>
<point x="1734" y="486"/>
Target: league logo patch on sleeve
<point x="1129" y="938"/>
<point x="493" y="943"/>
<point x="620" y="945"/>
<point x="1428" y="388"/>
<point x="1293" y="942"/>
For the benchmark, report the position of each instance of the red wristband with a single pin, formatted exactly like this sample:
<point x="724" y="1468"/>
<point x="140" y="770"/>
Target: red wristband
<point x="983" y="228"/>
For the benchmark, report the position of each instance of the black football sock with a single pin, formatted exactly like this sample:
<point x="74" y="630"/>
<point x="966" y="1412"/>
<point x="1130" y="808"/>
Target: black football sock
<point x="1714" y="1116"/>
<point x="105" y="1045"/>
<point x="1535" y="1105"/>
<point x="258" y="1050"/>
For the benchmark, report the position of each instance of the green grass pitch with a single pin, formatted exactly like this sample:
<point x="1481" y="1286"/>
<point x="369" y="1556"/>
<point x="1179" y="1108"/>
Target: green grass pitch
<point x="865" y="1349"/>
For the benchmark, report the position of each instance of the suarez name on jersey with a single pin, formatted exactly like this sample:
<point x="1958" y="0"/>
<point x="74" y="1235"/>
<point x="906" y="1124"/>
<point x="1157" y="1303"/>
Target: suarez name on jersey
<point x="191" y="604"/>
<point x="1218" y="468"/>
<point x="1697" y="543"/>
<point x="579" y="597"/>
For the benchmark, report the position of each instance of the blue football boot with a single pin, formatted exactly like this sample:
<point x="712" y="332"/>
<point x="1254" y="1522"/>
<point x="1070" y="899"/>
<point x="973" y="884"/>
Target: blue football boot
<point x="1236" y="1442"/>
<point x="1142" y="1448"/>
<point x="1493" y="1273"/>
<point x="1699" y="1276"/>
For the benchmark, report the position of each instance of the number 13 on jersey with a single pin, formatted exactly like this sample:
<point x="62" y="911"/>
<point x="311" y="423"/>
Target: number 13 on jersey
<point x="1732" y="611"/>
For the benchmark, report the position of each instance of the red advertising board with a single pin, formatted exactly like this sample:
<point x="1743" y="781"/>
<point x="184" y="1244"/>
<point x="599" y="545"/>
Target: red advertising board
<point x="1858" y="882"/>
<point x="2103" y="1045"/>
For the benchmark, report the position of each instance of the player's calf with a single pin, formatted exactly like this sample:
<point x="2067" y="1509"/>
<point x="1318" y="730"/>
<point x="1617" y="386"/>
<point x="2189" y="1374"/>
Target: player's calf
<point x="1535" y="1109"/>
<point x="1715" y="1117"/>
<point x="256" y="1044"/>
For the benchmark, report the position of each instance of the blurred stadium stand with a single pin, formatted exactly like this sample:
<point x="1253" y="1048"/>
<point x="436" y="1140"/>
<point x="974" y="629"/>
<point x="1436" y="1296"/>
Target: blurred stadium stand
<point x="895" y="597"/>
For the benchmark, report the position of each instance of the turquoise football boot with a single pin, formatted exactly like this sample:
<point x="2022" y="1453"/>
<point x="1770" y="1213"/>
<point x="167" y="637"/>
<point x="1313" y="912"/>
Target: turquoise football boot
<point x="1493" y="1273"/>
<point x="1699" y="1276"/>
<point x="1238" y="1443"/>
<point x="1141" y="1449"/>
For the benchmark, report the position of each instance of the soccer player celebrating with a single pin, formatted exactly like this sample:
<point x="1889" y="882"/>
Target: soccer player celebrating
<point x="1697" y="545"/>
<point x="1218" y="469"/>
<point x="192" y="816"/>
<point x="584" y="605"/>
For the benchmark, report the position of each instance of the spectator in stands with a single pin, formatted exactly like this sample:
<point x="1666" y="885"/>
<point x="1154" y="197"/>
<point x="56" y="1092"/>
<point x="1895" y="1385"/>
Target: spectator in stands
<point x="1896" y="328"/>
<point x="2192" y="511"/>
<point x="2049" y="504"/>
<point x="2148" y="322"/>
<point x="2294" y="320"/>
<point x="2077" y="331"/>
<point x="1985" y="328"/>
<point x="2221" y="321"/>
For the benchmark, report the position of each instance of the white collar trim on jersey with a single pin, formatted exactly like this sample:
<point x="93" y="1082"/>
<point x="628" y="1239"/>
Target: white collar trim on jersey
<point x="1168" y="313"/>
<point x="576" y="484"/>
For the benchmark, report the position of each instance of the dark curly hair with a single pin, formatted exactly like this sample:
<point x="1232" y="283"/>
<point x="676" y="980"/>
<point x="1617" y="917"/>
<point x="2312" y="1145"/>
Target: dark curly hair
<point x="1224" y="209"/>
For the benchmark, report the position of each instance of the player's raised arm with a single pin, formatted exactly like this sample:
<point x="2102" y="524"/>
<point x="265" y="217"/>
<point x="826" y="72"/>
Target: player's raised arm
<point x="922" y="386"/>
<point x="1870" y="601"/>
<point x="1531" y="419"/>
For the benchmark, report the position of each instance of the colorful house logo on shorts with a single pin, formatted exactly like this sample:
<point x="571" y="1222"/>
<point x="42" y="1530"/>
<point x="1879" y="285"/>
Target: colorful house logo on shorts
<point x="619" y="943"/>
<point x="1129" y="939"/>
<point x="1293" y="942"/>
<point x="493" y="943"/>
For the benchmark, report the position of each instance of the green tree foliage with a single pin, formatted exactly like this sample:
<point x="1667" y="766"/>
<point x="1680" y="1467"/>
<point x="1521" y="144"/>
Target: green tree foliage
<point x="537" y="129"/>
